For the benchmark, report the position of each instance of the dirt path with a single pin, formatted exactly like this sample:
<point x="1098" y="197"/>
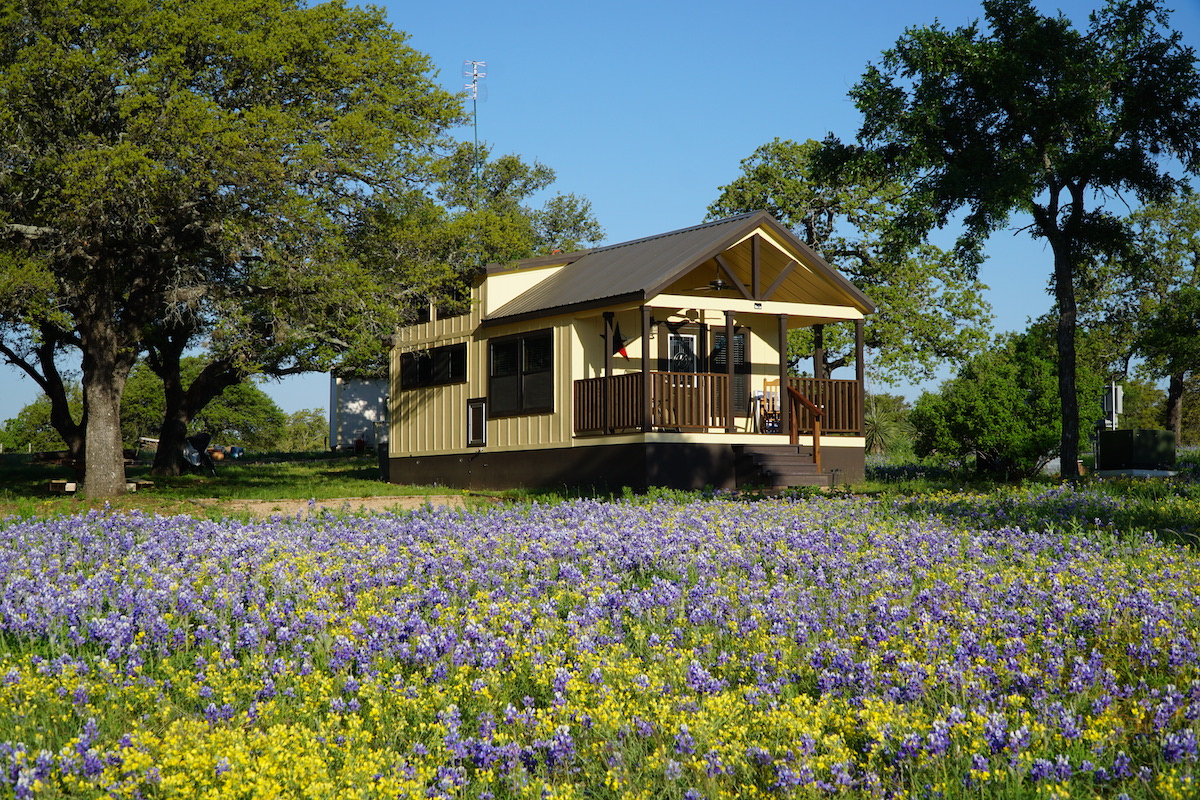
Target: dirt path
<point x="289" y="508"/>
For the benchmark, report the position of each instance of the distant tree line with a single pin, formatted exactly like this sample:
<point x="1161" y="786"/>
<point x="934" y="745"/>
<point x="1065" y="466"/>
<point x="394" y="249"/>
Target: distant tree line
<point x="243" y="415"/>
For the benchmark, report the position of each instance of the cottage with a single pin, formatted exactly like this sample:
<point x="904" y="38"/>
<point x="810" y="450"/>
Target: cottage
<point x="613" y="367"/>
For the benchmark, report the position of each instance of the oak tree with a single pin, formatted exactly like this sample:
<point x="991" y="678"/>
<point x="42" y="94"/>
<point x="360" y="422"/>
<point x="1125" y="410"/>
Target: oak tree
<point x="1027" y="114"/>
<point x="151" y="149"/>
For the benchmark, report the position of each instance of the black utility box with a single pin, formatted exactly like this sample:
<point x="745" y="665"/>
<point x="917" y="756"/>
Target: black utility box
<point x="1135" y="449"/>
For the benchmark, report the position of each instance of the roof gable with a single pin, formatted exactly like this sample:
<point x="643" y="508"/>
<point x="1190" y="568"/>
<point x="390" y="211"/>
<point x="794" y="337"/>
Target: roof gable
<point x="644" y="268"/>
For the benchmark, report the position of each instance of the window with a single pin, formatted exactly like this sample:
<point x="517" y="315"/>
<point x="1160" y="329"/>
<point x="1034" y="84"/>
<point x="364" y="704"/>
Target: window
<point x="521" y="374"/>
<point x="741" y="367"/>
<point x="435" y="367"/>
<point x="682" y="352"/>
<point x="477" y="422"/>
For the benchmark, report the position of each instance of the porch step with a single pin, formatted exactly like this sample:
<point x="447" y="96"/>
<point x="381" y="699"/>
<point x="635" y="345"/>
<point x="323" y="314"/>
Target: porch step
<point x="777" y="466"/>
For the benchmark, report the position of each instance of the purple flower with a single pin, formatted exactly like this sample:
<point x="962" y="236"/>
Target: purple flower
<point x="1180" y="746"/>
<point x="685" y="743"/>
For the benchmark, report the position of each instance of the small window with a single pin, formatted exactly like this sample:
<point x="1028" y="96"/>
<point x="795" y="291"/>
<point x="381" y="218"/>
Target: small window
<point x="477" y="422"/>
<point x="438" y="366"/>
<point x="521" y="374"/>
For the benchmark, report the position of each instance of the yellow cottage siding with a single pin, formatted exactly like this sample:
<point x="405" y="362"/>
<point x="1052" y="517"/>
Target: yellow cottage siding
<point x="433" y="419"/>
<point x="429" y="419"/>
<point x="503" y="286"/>
<point x="588" y="360"/>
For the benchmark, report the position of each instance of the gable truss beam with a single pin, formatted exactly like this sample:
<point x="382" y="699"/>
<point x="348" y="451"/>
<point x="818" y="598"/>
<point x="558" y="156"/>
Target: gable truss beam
<point x="779" y="279"/>
<point x="741" y="287"/>
<point x="755" y="268"/>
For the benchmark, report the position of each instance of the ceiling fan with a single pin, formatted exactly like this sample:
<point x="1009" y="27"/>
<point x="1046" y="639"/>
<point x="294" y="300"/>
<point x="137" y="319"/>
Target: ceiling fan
<point x="717" y="284"/>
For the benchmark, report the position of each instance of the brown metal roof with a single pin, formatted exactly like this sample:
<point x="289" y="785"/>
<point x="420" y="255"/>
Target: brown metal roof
<point x="638" y="270"/>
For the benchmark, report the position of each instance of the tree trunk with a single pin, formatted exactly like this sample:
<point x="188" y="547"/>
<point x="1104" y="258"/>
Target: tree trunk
<point x="107" y="358"/>
<point x="104" y="375"/>
<point x="1064" y="294"/>
<point x="1175" y="406"/>
<point x="170" y="443"/>
<point x="164" y="360"/>
<point x="182" y="406"/>
<point x="60" y="412"/>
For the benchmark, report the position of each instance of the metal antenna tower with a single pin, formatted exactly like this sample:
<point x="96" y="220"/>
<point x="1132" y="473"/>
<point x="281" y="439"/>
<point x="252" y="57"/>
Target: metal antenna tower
<point x="472" y="70"/>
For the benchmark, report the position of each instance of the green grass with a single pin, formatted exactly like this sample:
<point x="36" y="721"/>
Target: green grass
<point x="278" y="476"/>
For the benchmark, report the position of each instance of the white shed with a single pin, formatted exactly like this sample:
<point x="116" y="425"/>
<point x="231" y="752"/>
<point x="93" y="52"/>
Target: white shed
<point x="357" y="412"/>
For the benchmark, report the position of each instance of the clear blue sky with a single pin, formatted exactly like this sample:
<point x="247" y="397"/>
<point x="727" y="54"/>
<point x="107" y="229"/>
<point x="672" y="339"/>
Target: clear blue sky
<point x="647" y="108"/>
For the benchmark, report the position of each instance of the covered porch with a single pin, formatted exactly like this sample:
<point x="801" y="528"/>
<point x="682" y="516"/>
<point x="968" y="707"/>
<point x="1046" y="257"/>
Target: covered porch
<point x="665" y="401"/>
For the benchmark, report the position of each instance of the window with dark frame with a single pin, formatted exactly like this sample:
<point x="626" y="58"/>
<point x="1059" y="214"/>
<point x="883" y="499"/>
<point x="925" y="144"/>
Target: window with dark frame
<point x="477" y="422"/>
<point x="741" y="367"/>
<point x="438" y="366"/>
<point x="521" y="374"/>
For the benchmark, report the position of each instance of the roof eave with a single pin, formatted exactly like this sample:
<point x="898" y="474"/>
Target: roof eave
<point x="569" y="308"/>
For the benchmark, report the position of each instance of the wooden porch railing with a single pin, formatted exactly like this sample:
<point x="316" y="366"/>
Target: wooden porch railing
<point x="838" y="400"/>
<point x="696" y="401"/>
<point x="608" y="404"/>
<point x="686" y="401"/>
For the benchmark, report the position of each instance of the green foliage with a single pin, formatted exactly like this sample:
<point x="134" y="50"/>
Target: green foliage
<point x="930" y="307"/>
<point x="304" y="431"/>
<point x="1001" y="409"/>
<point x="427" y="245"/>
<point x="32" y="429"/>
<point x="1144" y="405"/>
<point x="1169" y="337"/>
<point x="242" y="414"/>
<point x="1144" y="302"/>
<point x="141" y="406"/>
<point x="196" y="164"/>
<point x="1190" y="423"/>
<point x="886" y="426"/>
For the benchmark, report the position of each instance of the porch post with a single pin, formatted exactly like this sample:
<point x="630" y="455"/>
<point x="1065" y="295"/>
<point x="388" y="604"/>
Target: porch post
<point x="608" y="370"/>
<point x="785" y="405"/>
<point x="860" y="369"/>
<point x="730" y="424"/>
<point x="819" y="352"/>
<point x="646" y="420"/>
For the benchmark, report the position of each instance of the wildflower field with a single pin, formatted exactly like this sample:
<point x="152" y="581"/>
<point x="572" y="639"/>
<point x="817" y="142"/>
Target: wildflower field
<point x="1014" y="644"/>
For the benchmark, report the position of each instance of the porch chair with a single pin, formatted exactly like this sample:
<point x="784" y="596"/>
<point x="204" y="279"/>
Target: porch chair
<point x="771" y="399"/>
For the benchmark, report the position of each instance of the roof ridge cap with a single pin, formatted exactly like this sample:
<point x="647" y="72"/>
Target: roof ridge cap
<point x="690" y="229"/>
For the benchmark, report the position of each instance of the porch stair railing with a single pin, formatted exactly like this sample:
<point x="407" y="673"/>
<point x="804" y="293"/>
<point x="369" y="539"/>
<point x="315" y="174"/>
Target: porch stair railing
<point x="799" y="401"/>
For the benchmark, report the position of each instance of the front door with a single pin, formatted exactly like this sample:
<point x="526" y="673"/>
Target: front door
<point x="682" y="353"/>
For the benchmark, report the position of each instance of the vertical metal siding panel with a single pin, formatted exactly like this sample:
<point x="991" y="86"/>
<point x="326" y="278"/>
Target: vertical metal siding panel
<point x="434" y="420"/>
<point x="393" y="397"/>
<point x="559" y="425"/>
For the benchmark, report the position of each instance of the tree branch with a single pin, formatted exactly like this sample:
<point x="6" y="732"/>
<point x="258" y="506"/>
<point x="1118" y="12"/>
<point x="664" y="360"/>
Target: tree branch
<point x="29" y="231"/>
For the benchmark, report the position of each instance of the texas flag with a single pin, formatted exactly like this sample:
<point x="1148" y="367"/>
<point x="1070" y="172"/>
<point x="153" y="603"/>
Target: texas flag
<point x="619" y="341"/>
